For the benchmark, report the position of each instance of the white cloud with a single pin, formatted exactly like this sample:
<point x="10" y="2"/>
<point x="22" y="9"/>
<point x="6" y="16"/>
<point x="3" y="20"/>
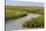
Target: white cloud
<point x="29" y="0"/>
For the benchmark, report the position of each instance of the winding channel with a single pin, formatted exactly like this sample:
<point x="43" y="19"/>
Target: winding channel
<point x="16" y="24"/>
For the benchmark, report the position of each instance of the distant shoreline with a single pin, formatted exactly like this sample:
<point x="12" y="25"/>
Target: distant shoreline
<point x="24" y="6"/>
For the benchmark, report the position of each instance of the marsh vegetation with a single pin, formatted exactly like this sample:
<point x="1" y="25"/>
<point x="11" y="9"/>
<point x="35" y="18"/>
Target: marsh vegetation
<point x="19" y="13"/>
<point x="35" y="22"/>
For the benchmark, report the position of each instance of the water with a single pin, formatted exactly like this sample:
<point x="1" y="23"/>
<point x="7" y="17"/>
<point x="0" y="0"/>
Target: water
<point x="16" y="24"/>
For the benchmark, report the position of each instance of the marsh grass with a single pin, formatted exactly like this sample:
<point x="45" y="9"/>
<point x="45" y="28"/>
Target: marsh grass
<point x="35" y="22"/>
<point x="20" y="11"/>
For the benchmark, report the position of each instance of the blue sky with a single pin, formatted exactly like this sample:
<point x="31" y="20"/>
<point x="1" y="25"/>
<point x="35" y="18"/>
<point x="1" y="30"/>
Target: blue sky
<point x="24" y="2"/>
<point x="28" y="0"/>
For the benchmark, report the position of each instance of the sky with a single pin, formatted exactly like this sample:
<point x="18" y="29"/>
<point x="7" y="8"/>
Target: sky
<point x="24" y="2"/>
<point x="28" y="0"/>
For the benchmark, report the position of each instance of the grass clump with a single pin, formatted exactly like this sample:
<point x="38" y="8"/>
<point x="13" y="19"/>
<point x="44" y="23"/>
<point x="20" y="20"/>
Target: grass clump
<point x="35" y="22"/>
